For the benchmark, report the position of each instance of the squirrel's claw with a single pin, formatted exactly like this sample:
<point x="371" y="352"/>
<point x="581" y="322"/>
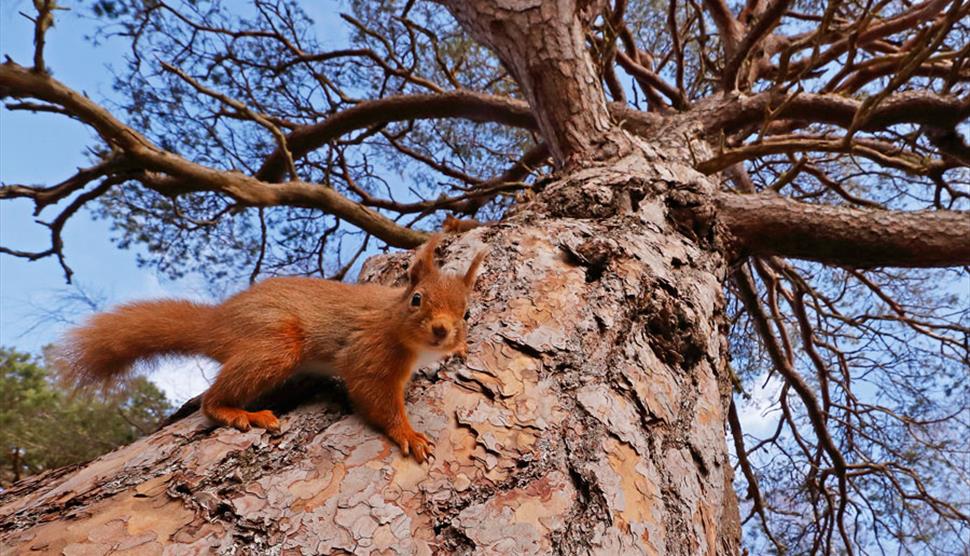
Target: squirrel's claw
<point x="421" y="451"/>
<point x="423" y="447"/>
<point x="414" y="444"/>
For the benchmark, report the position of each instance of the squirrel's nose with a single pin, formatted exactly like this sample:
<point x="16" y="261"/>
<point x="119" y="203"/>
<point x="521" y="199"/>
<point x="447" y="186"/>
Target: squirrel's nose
<point x="439" y="331"/>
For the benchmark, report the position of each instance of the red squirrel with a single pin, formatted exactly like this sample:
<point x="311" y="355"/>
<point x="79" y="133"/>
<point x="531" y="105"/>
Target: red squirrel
<point x="371" y="336"/>
<point x="453" y="225"/>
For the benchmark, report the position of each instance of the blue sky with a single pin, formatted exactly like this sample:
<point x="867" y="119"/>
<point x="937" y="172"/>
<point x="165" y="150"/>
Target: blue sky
<point x="45" y="149"/>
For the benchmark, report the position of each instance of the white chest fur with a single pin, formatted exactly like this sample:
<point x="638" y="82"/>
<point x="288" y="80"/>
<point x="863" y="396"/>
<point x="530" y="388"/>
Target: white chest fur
<point x="426" y="358"/>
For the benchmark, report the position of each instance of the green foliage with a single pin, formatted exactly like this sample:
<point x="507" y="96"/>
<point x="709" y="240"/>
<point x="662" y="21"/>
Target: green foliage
<point x="42" y="426"/>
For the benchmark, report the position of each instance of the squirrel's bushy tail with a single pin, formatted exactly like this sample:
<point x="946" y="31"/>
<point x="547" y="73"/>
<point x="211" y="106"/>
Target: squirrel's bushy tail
<point x="104" y="349"/>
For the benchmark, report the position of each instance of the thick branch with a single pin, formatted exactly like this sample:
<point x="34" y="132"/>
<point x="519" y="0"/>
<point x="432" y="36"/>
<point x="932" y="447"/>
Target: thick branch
<point x="768" y="20"/>
<point x="881" y="152"/>
<point x="19" y="82"/>
<point x="642" y="73"/>
<point x="915" y="107"/>
<point x="766" y="225"/>
<point x="727" y="25"/>
<point x="250" y="191"/>
<point x="462" y="104"/>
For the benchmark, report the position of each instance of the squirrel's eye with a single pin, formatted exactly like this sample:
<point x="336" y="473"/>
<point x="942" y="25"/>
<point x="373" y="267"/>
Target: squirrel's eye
<point x="468" y="315"/>
<point x="416" y="300"/>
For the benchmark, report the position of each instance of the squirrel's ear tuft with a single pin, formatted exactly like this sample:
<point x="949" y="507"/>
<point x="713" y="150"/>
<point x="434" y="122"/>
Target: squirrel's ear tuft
<point x="472" y="271"/>
<point x="423" y="264"/>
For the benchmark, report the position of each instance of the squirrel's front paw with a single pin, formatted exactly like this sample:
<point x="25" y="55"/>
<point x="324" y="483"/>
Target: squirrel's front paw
<point x="461" y="353"/>
<point x="413" y="443"/>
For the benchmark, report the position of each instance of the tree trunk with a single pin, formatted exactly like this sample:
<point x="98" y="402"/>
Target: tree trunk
<point x="542" y="43"/>
<point x="588" y="416"/>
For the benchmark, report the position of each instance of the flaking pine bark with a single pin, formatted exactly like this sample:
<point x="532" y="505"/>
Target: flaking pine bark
<point x="588" y="416"/>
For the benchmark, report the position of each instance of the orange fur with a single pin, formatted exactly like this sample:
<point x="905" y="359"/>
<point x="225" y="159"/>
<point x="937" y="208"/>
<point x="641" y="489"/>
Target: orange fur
<point x="107" y="346"/>
<point x="371" y="336"/>
<point x="452" y="225"/>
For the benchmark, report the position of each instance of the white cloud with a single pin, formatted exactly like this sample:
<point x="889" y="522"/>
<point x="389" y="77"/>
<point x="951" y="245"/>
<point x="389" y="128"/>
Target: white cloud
<point x="151" y="287"/>
<point x="183" y="378"/>
<point x="759" y="415"/>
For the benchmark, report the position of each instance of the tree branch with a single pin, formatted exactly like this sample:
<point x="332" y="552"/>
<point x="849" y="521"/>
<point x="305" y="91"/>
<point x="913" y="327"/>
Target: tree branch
<point x="43" y="22"/>
<point x="881" y="152"/>
<point x="640" y="72"/>
<point x="727" y="25"/>
<point x="461" y="104"/>
<point x="765" y="225"/>
<point x="754" y="493"/>
<point x="915" y="107"/>
<point x="44" y="196"/>
<point x="186" y="176"/>
<point x="768" y="20"/>
<point x="906" y="20"/>
<point x="261" y="119"/>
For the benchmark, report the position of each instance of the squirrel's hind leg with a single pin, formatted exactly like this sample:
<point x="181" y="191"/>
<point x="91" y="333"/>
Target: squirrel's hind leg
<point x="259" y="367"/>
<point x="242" y="419"/>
